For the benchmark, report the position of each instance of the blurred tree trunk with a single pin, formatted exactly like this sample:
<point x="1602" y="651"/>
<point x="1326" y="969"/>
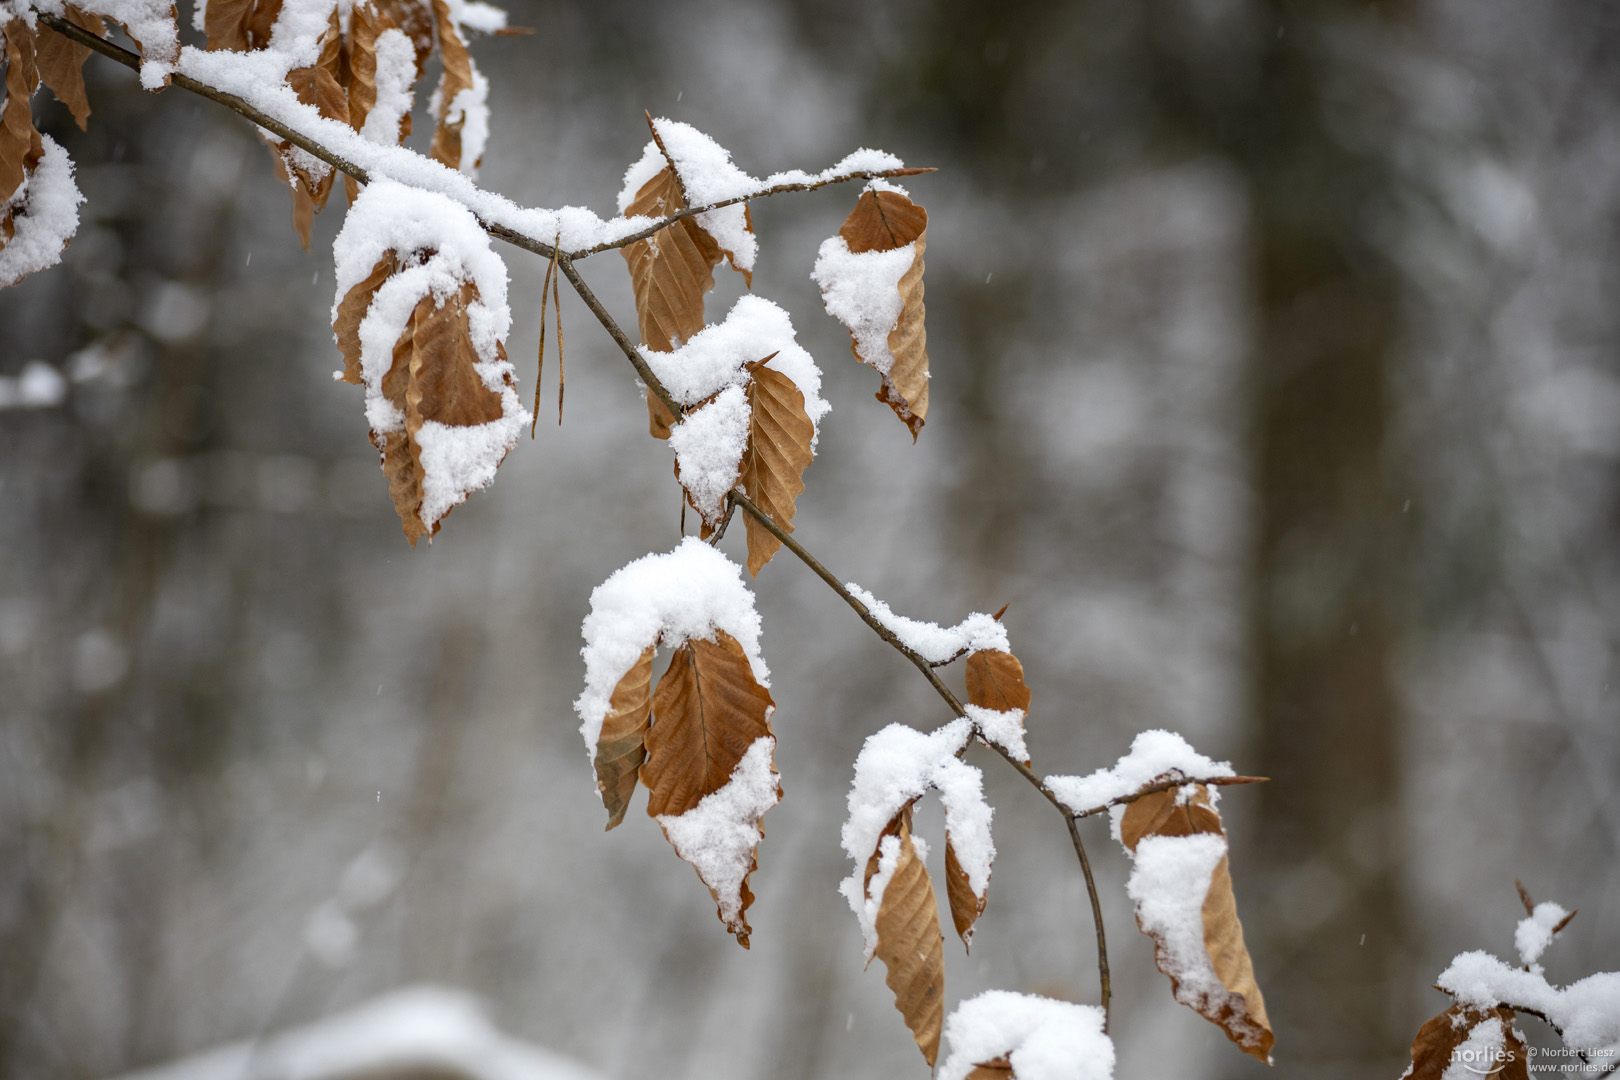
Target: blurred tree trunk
<point x="1331" y="548"/>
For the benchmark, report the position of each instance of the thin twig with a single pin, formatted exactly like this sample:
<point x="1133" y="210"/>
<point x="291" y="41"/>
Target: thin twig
<point x="955" y="706"/>
<point x="1166" y="785"/>
<point x="186" y="82"/>
<point x="719" y="533"/>
<point x="657" y="389"/>
<point x="763" y="193"/>
<point x="499" y="231"/>
<point x="654" y="386"/>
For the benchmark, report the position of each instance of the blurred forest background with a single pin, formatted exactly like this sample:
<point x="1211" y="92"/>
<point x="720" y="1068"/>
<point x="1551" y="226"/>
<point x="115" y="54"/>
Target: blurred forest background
<point x="1277" y="387"/>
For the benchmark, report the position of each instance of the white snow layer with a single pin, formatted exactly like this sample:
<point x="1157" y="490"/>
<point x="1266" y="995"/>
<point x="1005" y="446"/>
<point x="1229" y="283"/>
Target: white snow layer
<point x="718" y="835"/>
<point x="1479" y="1054"/>
<point x="895" y="766"/>
<point x="709" y="176"/>
<point x="45" y="215"/>
<point x="443" y="247"/>
<point x="1168" y="883"/>
<point x="931" y="641"/>
<point x="862" y="291"/>
<point x="1587" y="1012"/>
<point x="1043" y="1039"/>
<point x="709" y="445"/>
<point x="477" y="16"/>
<point x="471" y="109"/>
<point x="688" y="593"/>
<point x="1004" y="729"/>
<point x="396" y="83"/>
<point x="150" y="23"/>
<point x="717" y="355"/>
<point x="1153" y="754"/>
<point x="259" y="79"/>
<point x="422" y="1030"/>
<point x="1535" y="932"/>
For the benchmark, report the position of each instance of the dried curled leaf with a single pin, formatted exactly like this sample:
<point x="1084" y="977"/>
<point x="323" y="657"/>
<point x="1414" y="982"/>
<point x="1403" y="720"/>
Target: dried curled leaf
<point x="456" y="79"/>
<point x="998" y="1069"/>
<point x="61" y="63"/>
<point x="779" y="434"/>
<point x="995" y="681"/>
<point x="432" y="378"/>
<point x="20" y="145"/>
<point x="909" y="941"/>
<point x="710" y="739"/>
<point x="38" y="199"/>
<point x="708" y="710"/>
<point x="415" y="18"/>
<point x="966" y="906"/>
<point x="1482" y="1041"/>
<point x="885" y="220"/>
<point x="239" y="25"/>
<point x="669" y="273"/>
<point x="1214" y="976"/>
<point x="303" y="205"/>
<point x="622" y="746"/>
<point x="352" y="309"/>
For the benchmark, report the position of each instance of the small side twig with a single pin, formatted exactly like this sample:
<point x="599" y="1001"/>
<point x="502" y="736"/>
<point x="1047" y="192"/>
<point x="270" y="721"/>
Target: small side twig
<point x="719" y="533"/>
<point x="764" y="193"/>
<point x="1167" y="785"/>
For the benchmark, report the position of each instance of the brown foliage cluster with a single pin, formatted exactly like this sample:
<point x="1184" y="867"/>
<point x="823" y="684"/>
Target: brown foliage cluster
<point x="342" y="84"/>
<point x="684" y="738"/>
<point x="1241" y="1010"/>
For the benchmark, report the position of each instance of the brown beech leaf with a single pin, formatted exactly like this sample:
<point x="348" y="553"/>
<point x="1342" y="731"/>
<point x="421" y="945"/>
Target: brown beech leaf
<point x="622" y="745"/>
<point x="415" y="19"/>
<point x="239" y="25"/>
<point x="432" y="378"/>
<point x="708" y="710"/>
<point x="669" y="273"/>
<point x="1237" y="1007"/>
<point x="998" y="1069"/>
<point x="909" y="942"/>
<point x="352" y="309"/>
<point x="456" y="77"/>
<point x="1439" y="1038"/>
<point x="365" y="23"/>
<point x="884" y="221"/>
<point x="965" y="906"/>
<point x="303" y="206"/>
<point x="20" y="145"/>
<point x="778" y="451"/>
<point x="61" y="63"/>
<point x="995" y="680"/>
<point x="321" y="86"/>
